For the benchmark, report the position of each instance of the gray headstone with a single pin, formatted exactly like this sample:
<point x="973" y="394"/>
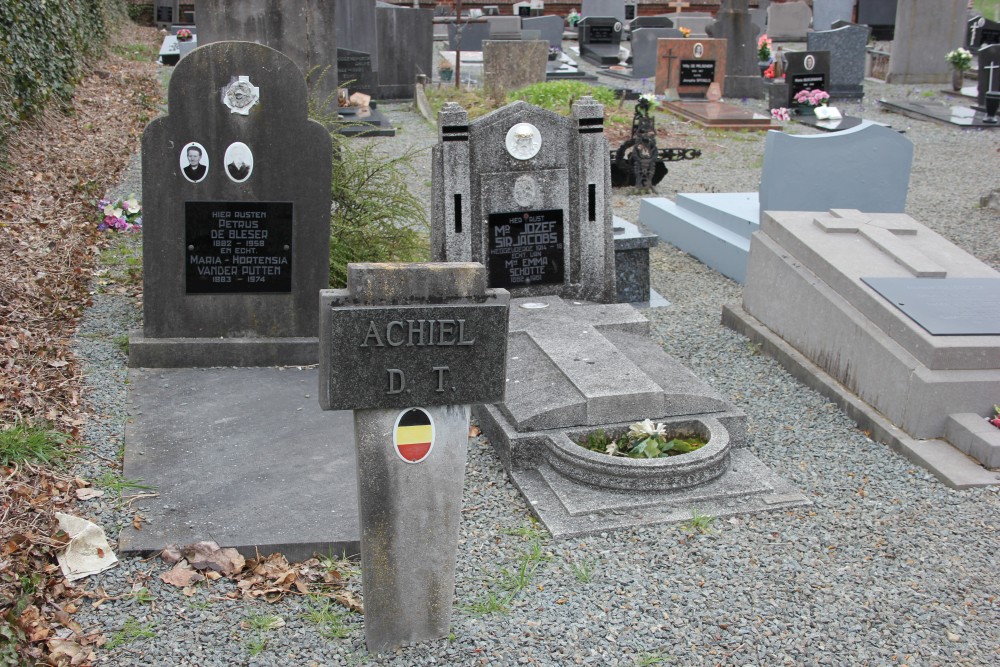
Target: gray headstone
<point x="788" y="22"/>
<point x="866" y="168"/>
<point x="165" y="13"/>
<point x="550" y="27"/>
<point x="806" y="70"/>
<point x="233" y="254"/>
<point x="509" y="65"/>
<point x="644" y="49"/>
<point x="742" y="69"/>
<point x="357" y="27"/>
<point x="354" y="71"/>
<point x="930" y="30"/>
<point x="847" y="58"/>
<point x="504" y="27"/>
<point x="599" y="38"/>
<point x="696" y="22"/>
<point x="303" y="31"/>
<point x="467" y="36"/>
<point x="527" y="192"/>
<point x="405" y="49"/>
<point x="825" y="12"/>
<point x="989" y="71"/>
<point x="613" y="8"/>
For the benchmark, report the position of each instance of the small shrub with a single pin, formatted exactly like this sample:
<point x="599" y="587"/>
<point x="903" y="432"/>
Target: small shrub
<point x="559" y="96"/>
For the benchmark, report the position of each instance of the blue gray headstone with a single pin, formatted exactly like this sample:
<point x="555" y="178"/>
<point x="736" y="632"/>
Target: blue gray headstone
<point x="467" y="35"/>
<point x="550" y="27"/>
<point x="613" y="8"/>
<point x="825" y="12"/>
<point x="645" y="49"/>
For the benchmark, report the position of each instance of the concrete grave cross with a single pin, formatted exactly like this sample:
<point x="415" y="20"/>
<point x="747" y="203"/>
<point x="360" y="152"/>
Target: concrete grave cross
<point x="885" y="233"/>
<point x="590" y="361"/>
<point x="678" y="5"/>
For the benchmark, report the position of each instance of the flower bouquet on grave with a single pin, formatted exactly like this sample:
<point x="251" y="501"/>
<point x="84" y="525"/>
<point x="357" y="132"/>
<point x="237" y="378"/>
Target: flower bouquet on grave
<point x="685" y="31"/>
<point x="123" y="215"/>
<point x="960" y="59"/>
<point x="764" y="49"/>
<point x="184" y="35"/>
<point x="768" y="71"/>
<point x="807" y="100"/>
<point x="781" y="113"/>
<point x="644" y="440"/>
<point x="995" y="419"/>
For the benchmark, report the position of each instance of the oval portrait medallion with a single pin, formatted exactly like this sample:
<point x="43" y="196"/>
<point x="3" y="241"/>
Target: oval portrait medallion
<point x="413" y="435"/>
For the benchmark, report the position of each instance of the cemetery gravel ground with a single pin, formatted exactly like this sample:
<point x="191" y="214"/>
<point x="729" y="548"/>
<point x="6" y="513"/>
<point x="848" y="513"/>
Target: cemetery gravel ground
<point x="886" y="567"/>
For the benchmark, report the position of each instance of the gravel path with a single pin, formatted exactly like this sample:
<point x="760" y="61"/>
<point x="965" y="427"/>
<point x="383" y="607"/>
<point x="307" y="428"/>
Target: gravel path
<point x="887" y="567"/>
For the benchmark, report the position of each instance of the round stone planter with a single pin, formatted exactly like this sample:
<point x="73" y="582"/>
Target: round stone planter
<point x="662" y="474"/>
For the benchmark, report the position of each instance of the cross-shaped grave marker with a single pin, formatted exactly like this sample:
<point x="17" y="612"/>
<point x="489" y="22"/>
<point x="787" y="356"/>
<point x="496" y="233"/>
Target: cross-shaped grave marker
<point x="678" y="5"/>
<point x="990" y="67"/>
<point x="670" y="57"/>
<point x="886" y="234"/>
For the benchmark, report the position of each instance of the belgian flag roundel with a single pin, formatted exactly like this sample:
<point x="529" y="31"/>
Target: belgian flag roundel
<point x="413" y="435"/>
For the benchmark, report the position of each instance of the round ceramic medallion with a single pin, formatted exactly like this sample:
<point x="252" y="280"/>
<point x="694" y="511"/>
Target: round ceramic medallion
<point x="523" y="141"/>
<point x="241" y="95"/>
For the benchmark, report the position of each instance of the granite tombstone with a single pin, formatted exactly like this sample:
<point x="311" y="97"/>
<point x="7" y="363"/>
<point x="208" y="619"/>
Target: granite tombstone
<point x="613" y="8"/>
<point x="930" y="30"/>
<point x="742" y="69"/>
<point x="982" y="32"/>
<point x="405" y="49"/>
<point x="826" y="12"/>
<point x="645" y="49"/>
<point x="804" y="71"/>
<point x="659" y="21"/>
<point x="526" y="192"/>
<point x="847" y="58"/>
<point x="236" y="189"/>
<point x="989" y="72"/>
<point x="879" y="15"/>
<point x="789" y="21"/>
<point x="512" y="64"/>
<point x="549" y="27"/>
<point x="599" y="38"/>
<point x="689" y="66"/>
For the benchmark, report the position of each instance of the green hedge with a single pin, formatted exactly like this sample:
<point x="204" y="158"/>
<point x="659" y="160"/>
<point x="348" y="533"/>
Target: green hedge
<point x="44" y="49"/>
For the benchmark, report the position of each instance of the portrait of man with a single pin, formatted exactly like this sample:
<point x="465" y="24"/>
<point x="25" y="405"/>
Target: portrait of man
<point x="239" y="162"/>
<point x="194" y="162"/>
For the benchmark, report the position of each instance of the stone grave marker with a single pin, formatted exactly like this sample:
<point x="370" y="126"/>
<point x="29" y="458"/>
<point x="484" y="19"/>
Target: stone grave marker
<point x="982" y="32"/>
<point x="659" y="21"/>
<point x="930" y="30"/>
<point x="742" y="69"/>
<point x="989" y="72"/>
<point x="645" y="50"/>
<point x="696" y="22"/>
<point x="504" y="27"/>
<point x="165" y="13"/>
<point x="357" y="28"/>
<point x="886" y="284"/>
<point x="879" y="15"/>
<point x="847" y="58"/>
<point x="603" y="8"/>
<point x="405" y="49"/>
<point x="826" y="12"/>
<point x="550" y="27"/>
<point x="599" y="38"/>
<point x="526" y="192"/>
<point x="408" y="348"/>
<point x="236" y="189"/>
<point x="689" y="66"/>
<point x="789" y="21"/>
<point x="805" y="70"/>
<point x="467" y="35"/>
<point x="512" y="64"/>
<point x="304" y="31"/>
<point x="354" y="71"/>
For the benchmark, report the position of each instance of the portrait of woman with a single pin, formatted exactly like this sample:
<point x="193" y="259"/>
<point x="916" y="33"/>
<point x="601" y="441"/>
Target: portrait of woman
<point x="239" y="162"/>
<point x="194" y="162"/>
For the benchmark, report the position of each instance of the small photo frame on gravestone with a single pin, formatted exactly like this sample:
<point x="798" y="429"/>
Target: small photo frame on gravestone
<point x="194" y="162"/>
<point x="239" y="162"/>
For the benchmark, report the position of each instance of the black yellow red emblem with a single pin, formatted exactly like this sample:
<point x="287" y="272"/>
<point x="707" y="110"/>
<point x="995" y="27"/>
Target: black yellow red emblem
<point x="413" y="435"/>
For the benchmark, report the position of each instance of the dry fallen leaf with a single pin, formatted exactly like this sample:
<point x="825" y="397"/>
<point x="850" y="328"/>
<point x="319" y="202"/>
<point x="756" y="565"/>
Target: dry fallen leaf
<point x="181" y="575"/>
<point x="474" y="431"/>
<point x="88" y="493"/>
<point x="207" y="555"/>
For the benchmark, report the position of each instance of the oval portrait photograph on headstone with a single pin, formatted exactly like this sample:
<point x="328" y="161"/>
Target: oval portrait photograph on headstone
<point x="239" y="161"/>
<point x="413" y="435"/>
<point x="194" y="162"/>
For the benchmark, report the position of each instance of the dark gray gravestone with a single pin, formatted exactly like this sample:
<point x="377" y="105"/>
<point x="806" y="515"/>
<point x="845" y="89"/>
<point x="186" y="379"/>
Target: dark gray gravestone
<point x="806" y="70"/>
<point x="236" y="187"/>
<point x="354" y="70"/>
<point x="825" y="12"/>
<point x="645" y="49"/>
<point x="742" y="69"/>
<point x="989" y="72"/>
<point x="405" y="49"/>
<point x="357" y="27"/>
<point x="550" y="27"/>
<point x="847" y="58"/>
<point x="982" y="32"/>
<point x="610" y="8"/>
<point x="944" y="307"/>
<point x="599" y="38"/>
<point x="467" y="36"/>
<point x="880" y="15"/>
<point x="302" y="30"/>
<point x="650" y="22"/>
<point x="527" y="192"/>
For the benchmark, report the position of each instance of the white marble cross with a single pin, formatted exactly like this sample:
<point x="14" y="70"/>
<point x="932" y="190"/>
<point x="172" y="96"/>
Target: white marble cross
<point x="886" y="235"/>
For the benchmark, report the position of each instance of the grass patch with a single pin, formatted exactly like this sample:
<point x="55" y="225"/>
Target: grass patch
<point x="132" y="631"/>
<point x="699" y="523"/>
<point x="26" y="443"/>
<point x="582" y="570"/>
<point x="509" y="582"/>
<point x="328" y="618"/>
<point x="138" y="52"/>
<point x="259" y="625"/>
<point x="117" y="484"/>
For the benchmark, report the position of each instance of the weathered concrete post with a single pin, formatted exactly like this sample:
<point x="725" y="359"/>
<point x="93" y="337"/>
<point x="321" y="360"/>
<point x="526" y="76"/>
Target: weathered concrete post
<point x="409" y="347"/>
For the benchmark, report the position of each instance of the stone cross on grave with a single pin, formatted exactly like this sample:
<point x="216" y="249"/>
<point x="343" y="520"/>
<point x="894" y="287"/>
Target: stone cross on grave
<point x="678" y="5"/>
<point x="670" y="57"/>
<point x="886" y="232"/>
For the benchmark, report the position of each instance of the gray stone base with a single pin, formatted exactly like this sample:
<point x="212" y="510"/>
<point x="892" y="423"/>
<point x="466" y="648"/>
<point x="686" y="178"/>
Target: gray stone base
<point x="948" y="464"/>
<point x="744" y="86"/>
<point x="209" y="352"/>
<point x="242" y="456"/>
<point x="569" y="508"/>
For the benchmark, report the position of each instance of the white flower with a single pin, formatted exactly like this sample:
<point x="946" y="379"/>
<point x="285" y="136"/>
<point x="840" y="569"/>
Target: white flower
<point x="646" y="428"/>
<point x="112" y="211"/>
<point x="649" y="97"/>
<point x="132" y="205"/>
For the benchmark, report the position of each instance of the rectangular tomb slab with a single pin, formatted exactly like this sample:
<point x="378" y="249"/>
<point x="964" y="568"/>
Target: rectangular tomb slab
<point x="953" y="307"/>
<point x="721" y="116"/>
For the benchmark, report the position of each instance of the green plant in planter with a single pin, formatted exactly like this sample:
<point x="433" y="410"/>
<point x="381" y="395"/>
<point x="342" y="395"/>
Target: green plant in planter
<point x="643" y="440"/>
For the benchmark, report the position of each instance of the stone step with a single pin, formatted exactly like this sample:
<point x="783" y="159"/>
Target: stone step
<point x="713" y="244"/>
<point x="738" y="212"/>
<point x="972" y="434"/>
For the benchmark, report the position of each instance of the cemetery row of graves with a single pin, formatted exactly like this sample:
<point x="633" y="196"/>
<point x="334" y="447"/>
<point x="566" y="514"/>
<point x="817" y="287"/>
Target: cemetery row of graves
<point x="530" y="317"/>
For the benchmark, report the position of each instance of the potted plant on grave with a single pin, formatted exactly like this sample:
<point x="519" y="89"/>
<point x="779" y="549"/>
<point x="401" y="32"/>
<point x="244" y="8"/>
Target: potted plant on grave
<point x="184" y="35"/>
<point x="806" y="101"/>
<point x="554" y="52"/>
<point x="764" y="54"/>
<point x="445" y="70"/>
<point x="960" y="60"/>
<point x="642" y="440"/>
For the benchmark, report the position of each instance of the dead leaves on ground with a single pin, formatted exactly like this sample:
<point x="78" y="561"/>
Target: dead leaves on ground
<point x="269" y="578"/>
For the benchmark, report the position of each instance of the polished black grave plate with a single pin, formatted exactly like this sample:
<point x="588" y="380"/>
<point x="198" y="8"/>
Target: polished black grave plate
<point x="945" y="306"/>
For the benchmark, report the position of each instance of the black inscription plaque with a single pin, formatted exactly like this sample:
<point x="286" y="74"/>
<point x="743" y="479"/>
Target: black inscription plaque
<point x="600" y="34"/>
<point x="237" y="247"/>
<point x="697" y="73"/>
<point x="354" y="66"/>
<point x="525" y="248"/>
<point x="945" y="306"/>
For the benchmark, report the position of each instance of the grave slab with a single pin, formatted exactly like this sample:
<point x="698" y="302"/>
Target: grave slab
<point x="242" y="456"/>
<point x="721" y="116"/>
<point x="955" y="307"/>
<point x="949" y="114"/>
